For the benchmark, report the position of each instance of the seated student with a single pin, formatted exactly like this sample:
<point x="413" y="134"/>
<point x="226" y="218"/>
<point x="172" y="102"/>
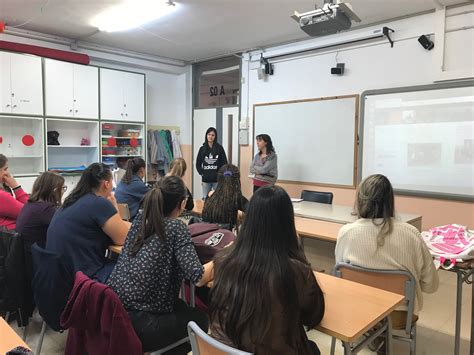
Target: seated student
<point x="10" y="205"/>
<point x="88" y="223"/>
<point x="223" y="204"/>
<point x="131" y="188"/>
<point x="377" y="240"/>
<point x="158" y="254"/>
<point x="178" y="168"/>
<point x="264" y="290"/>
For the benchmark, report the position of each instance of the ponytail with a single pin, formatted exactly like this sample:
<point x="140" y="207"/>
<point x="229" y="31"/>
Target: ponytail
<point x="90" y="181"/>
<point x="157" y="204"/>
<point x="133" y="166"/>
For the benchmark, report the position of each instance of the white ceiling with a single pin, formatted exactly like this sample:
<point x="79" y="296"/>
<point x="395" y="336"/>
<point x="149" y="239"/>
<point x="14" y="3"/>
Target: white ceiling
<point x="198" y="29"/>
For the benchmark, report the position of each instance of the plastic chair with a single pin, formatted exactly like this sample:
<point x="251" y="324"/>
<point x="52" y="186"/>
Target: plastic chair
<point x="317" y="196"/>
<point x="204" y="344"/>
<point x="397" y="281"/>
<point x="124" y="211"/>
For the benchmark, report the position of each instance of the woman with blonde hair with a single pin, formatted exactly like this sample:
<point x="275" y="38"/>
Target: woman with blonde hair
<point x="378" y="240"/>
<point x="178" y="168"/>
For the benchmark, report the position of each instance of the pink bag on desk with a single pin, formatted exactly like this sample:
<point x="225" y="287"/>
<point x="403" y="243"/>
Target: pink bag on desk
<point x="452" y="241"/>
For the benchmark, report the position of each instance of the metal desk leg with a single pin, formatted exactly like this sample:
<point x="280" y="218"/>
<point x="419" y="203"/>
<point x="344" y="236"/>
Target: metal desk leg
<point x="347" y="348"/>
<point x="388" y="336"/>
<point x="472" y="314"/>
<point x="457" y="331"/>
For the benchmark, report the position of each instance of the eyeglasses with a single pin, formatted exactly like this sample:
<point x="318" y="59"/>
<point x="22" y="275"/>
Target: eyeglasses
<point x="64" y="188"/>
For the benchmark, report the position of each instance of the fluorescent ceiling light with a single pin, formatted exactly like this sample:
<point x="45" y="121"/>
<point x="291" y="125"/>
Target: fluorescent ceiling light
<point x="131" y="14"/>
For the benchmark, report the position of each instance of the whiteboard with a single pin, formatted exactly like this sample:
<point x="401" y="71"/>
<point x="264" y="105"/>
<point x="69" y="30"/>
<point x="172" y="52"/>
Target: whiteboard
<point x="314" y="139"/>
<point x="421" y="138"/>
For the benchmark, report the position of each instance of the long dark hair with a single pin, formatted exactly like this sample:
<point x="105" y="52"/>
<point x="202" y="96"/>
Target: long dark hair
<point x="257" y="269"/>
<point x="374" y="199"/>
<point x="133" y="166"/>
<point x="3" y="160"/>
<point x="158" y="203"/>
<point x="266" y="138"/>
<point x="224" y="204"/>
<point x="206" y="144"/>
<point x="90" y="181"/>
<point x="48" y="187"/>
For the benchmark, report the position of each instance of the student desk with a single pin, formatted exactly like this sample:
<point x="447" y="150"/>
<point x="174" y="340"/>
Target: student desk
<point x="341" y="214"/>
<point x="8" y="338"/>
<point x="352" y="309"/>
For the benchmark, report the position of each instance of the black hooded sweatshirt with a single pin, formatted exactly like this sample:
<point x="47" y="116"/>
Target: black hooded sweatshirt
<point x="209" y="160"/>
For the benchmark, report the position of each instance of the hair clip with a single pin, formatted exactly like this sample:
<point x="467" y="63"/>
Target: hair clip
<point x="227" y="173"/>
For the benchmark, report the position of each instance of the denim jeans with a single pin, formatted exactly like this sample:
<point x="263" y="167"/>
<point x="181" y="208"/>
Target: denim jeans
<point x="207" y="187"/>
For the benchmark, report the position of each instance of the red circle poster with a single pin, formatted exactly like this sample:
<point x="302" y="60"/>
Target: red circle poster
<point x="28" y="140"/>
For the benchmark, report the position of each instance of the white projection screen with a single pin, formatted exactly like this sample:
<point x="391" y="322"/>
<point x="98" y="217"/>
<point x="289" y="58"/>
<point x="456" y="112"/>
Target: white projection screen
<point x="422" y="139"/>
<point x="315" y="139"/>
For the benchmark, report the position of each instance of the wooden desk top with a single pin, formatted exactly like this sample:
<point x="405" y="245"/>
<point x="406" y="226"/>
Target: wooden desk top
<point x="339" y="213"/>
<point x="352" y="308"/>
<point x="8" y="338"/>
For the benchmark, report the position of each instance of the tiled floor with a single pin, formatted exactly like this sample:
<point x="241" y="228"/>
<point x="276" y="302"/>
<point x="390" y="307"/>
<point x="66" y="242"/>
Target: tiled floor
<point x="435" y="330"/>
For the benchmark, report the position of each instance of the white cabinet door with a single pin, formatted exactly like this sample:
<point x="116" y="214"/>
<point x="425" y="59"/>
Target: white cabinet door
<point x="26" y="84"/>
<point x="86" y="91"/>
<point x="27" y="183"/>
<point x="58" y="88"/>
<point x="134" y="97"/>
<point x="111" y="95"/>
<point x="5" y="83"/>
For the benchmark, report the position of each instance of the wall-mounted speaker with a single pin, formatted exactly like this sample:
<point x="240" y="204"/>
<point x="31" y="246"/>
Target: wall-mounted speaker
<point x="426" y="42"/>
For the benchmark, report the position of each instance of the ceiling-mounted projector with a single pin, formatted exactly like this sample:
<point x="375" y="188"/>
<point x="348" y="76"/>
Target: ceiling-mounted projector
<point x="329" y="19"/>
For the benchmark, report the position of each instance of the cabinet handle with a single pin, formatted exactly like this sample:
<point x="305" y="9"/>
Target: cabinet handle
<point x="75" y="110"/>
<point x="121" y="114"/>
<point x="70" y="110"/>
<point x="74" y="100"/>
<point x="13" y="94"/>
<point x="126" y="114"/>
<point x="14" y="106"/>
<point x="8" y="105"/>
<point x="124" y="105"/>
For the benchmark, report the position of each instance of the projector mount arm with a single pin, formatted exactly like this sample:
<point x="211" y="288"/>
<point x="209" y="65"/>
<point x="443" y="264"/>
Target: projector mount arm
<point x="386" y="32"/>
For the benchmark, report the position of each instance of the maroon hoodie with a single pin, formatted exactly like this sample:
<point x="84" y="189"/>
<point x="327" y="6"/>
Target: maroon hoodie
<point x="97" y="321"/>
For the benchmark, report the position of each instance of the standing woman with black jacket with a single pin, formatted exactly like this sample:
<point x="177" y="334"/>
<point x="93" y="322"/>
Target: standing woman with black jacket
<point x="211" y="157"/>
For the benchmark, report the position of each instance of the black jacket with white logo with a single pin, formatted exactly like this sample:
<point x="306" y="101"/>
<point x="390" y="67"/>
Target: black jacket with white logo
<point x="209" y="161"/>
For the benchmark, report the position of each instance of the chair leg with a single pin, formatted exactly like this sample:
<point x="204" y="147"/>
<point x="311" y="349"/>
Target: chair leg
<point x="7" y="316"/>
<point x="25" y="332"/>
<point x="40" y="339"/>
<point x="413" y="340"/>
<point x="333" y="345"/>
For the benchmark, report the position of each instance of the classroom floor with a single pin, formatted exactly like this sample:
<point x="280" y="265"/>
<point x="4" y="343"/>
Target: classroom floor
<point x="435" y="330"/>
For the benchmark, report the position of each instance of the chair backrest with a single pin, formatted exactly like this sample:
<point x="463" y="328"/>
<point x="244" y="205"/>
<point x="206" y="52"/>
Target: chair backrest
<point x="204" y="344"/>
<point x="124" y="211"/>
<point x="317" y="196"/>
<point x="397" y="281"/>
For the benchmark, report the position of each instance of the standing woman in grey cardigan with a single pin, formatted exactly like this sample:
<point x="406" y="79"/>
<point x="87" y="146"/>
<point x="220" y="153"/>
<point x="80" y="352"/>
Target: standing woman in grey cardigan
<point x="264" y="165"/>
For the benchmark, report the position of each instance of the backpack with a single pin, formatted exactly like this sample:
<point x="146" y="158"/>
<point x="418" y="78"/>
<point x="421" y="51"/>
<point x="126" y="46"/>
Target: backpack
<point x="208" y="239"/>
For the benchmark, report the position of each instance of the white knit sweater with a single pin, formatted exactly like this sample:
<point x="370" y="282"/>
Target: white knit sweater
<point x="403" y="249"/>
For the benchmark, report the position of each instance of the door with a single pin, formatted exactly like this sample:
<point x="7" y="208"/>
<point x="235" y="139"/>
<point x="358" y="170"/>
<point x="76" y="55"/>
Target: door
<point x="86" y="91"/>
<point x="5" y="136"/>
<point x="226" y="122"/>
<point x="58" y="88"/>
<point x="111" y="95"/>
<point x="5" y="83"/>
<point x="27" y="84"/>
<point x="134" y="97"/>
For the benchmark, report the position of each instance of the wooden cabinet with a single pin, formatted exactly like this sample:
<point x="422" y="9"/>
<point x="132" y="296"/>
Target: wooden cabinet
<point x="21" y="84"/>
<point x="122" y="96"/>
<point x="71" y="90"/>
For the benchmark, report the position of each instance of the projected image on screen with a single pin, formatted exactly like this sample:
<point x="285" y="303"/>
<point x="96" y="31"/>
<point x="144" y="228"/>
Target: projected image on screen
<point x="423" y="141"/>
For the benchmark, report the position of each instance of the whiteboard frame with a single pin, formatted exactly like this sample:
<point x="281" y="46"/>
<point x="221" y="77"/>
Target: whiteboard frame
<point x="356" y="138"/>
<point x="440" y="86"/>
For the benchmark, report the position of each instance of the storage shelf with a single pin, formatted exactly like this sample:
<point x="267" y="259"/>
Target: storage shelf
<point x="72" y="146"/>
<point x="25" y="156"/>
<point x="119" y="156"/>
<point x="121" y="137"/>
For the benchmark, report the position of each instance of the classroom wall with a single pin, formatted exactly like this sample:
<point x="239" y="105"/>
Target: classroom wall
<point x="372" y="65"/>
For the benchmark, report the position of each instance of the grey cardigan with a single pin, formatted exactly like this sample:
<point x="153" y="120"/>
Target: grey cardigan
<point x="266" y="169"/>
